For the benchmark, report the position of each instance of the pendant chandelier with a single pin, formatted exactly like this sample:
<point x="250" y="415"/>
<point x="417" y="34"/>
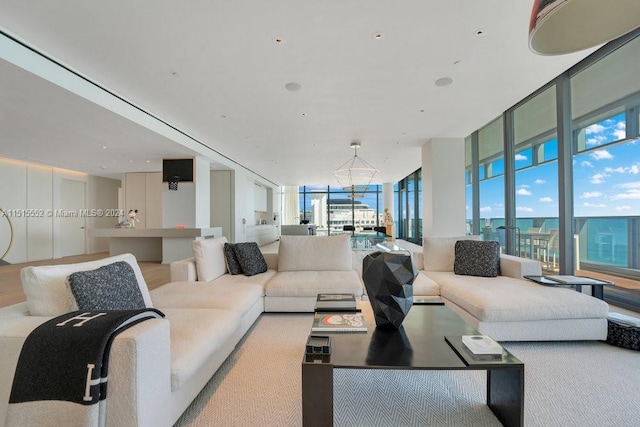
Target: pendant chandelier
<point x="564" y="26"/>
<point x="355" y="175"/>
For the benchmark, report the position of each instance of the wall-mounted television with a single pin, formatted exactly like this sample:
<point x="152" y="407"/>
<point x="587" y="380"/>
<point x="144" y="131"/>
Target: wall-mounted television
<point x="182" y="168"/>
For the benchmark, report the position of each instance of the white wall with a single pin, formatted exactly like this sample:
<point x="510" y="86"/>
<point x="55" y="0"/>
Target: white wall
<point x="221" y="201"/>
<point x="189" y="206"/>
<point x="35" y="190"/>
<point x="443" y="189"/>
<point x="102" y="194"/>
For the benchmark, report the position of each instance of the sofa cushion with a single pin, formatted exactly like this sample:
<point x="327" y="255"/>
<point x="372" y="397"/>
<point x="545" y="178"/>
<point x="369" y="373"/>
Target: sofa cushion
<point x="439" y="252"/>
<point x="250" y="258"/>
<point x="196" y="334"/>
<point x="312" y="283"/>
<point x="505" y="299"/>
<point x="209" y="256"/>
<point x="110" y="287"/>
<point x="424" y="286"/>
<point x="48" y="293"/>
<point x="477" y="258"/>
<point x="319" y="253"/>
<point x="232" y="294"/>
<point x="233" y="266"/>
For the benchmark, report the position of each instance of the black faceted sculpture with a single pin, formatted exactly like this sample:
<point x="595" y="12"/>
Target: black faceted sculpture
<point x="388" y="277"/>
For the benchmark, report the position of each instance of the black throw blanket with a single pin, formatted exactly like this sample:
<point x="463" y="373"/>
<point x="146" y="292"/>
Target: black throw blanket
<point x="66" y="359"/>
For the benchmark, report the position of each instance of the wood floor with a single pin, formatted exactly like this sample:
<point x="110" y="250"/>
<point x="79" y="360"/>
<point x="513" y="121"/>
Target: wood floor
<point x="154" y="273"/>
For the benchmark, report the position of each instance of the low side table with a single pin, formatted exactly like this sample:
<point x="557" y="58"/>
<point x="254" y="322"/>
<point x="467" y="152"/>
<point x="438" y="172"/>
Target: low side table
<point x="577" y="281"/>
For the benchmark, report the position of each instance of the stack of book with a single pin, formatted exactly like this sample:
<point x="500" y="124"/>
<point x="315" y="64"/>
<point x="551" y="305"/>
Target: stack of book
<point x="337" y="313"/>
<point x="336" y="302"/>
<point x="339" y="322"/>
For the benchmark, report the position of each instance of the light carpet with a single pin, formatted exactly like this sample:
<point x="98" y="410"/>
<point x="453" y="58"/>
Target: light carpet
<point x="566" y="384"/>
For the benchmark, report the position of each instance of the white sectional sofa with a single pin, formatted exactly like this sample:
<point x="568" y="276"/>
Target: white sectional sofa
<point x="507" y="307"/>
<point x="159" y="366"/>
<point x="303" y="267"/>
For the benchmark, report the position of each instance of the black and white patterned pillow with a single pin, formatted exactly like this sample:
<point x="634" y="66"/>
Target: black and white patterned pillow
<point x="233" y="265"/>
<point x="250" y="258"/>
<point x="477" y="258"/>
<point x="110" y="287"/>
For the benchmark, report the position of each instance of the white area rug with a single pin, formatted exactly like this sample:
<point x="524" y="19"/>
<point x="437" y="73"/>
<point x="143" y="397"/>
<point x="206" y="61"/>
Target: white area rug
<point x="566" y="384"/>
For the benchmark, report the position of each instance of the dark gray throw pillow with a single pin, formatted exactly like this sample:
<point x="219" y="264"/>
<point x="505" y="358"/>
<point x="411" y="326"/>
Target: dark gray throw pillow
<point x="477" y="258"/>
<point x="110" y="287"/>
<point x="233" y="265"/>
<point x="250" y="258"/>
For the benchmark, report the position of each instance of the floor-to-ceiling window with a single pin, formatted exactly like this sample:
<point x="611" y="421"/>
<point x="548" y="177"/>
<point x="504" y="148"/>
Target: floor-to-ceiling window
<point x="491" y="179"/>
<point x="536" y="177"/>
<point x="595" y="147"/>
<point x="331" y="208"/>
<point x="605" y="100"/>
<point x="408" y="214"/>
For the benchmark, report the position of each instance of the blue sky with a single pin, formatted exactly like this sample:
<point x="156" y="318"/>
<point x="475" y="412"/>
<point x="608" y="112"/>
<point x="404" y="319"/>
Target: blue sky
<point x="606" y="179"/>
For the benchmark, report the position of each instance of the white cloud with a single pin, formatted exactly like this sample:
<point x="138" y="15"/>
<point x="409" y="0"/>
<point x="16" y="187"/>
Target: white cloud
<point x="623" y="208"/>
<point x="520" y="157"/>
<point x="591" y="205"/>
<point x="620" y="134"/>
<point x="486" y="209"/>
<point x="635" y="184"/>
<point x="595" y="128"/>
<point x="601" y="155"/>
<point x="632" y="194"/>
<point x="619" y="169"/>
<point x="635" y="170"/>
<point x="523" y="192"/>
<point x="524" y="209"/>
<point x="540" y="181"/>
<point x="586" y="163"/>
<point x="590" y="194"/>
<point x="597" y="178"/>
<point x="546" y="200"/>
<point x="621" y="125"/>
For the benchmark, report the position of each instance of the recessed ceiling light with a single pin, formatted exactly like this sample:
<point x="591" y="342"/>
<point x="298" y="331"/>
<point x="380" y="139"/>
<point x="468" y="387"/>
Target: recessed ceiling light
<point x="422" y="111"/>
<point x="303" y="114"/>
<point x="104" y="147"/>
<point x="175" y="74"/>
<point x="480" y="31"/>
<point x="378" y="36"/>
<point x="457" y="62"/>
<point x="222" y="116"/>
<point x="103" y="167"/>
<point x="147" y="161"/>
<point x="293" y="87"/>
<point x="278" y="40"/>
<point x="444" y="81"/>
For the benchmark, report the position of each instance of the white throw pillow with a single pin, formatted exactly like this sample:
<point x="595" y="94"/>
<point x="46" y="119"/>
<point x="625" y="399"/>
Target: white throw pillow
<point x="439" y="252"/>
<point x="209" y="257"/>
<point x="315" y="253"/>
<point x="48" y="293"/>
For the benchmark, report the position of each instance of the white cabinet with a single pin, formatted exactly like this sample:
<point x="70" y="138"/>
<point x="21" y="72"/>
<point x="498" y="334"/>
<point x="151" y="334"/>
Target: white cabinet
<point x="143" y="191"/>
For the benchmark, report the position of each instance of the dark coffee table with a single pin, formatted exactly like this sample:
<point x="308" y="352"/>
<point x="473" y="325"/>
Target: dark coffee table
<point x="429" y="339"/>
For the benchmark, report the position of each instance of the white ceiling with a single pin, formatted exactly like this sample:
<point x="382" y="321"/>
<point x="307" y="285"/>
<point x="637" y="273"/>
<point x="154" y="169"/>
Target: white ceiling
<point x="213" y="70"/>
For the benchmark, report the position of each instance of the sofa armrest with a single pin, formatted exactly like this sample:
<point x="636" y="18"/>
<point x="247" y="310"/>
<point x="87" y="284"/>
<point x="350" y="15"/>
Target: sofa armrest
<point x="516" y="267"/>
<point x="139" y="370"/>
<point x="183" y="270"/>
